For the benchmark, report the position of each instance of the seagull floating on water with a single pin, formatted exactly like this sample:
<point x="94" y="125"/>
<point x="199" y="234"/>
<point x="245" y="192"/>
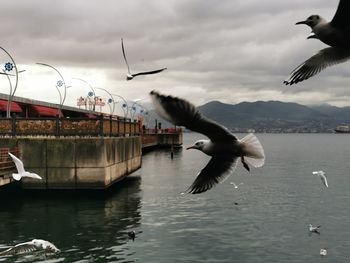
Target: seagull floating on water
<point x="322" y="176"/>
<point x="132" y="235"/>
<point x="335" y="33"/>
<point x="31" y="246"/>
<point x="21" y="171"/>
<point x="130" y="76"/>
<point x="222" y="146"/>
<point x="314" y="229"/>
<point x="323" y="252"/>
<point x="235" y="185"/>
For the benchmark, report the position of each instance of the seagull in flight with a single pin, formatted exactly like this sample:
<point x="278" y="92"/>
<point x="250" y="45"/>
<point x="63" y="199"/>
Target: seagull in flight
<point x="235" y="185"/>
<point x="31" y="246"/>
<point x="224" y="148"/>
<point x="335" y="34"/>
<point x="130" y="76"/>
<point x="20" y="168"/>
<point x="314" y="229"/>
<point x="322" y="176"/>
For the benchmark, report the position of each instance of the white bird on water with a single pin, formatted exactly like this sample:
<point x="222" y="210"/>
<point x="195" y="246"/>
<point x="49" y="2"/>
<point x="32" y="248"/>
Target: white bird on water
<point x="322" y="176"/>
<point x="20" y="168"/>
<point x="235" y="185"/>
<point x="130" y="76"/>
<point x="335" y="33"/>
<point x="222" y="146"/>
<point x="323" y="252"/>
<point x="31" y="246"/>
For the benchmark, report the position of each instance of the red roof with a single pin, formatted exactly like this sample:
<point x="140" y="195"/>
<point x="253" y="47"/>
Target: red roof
<point x="45" y="111"/>
<point x="14" y="106"/>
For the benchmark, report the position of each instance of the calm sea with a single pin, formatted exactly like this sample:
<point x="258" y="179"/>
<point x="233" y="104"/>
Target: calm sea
<point x="270" y="223"/>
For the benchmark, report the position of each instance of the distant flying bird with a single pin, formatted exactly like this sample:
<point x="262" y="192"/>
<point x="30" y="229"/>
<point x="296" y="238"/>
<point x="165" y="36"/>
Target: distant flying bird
<point x="31" y="246"/>
<point x="314" y="229"/>
<point x="235" y="185"/>
<point x="335" y="33"/>
<point x="222" y="146"/>
<point x="130" y="76"/>
<point x="322" y="176"/>
<point x="323" y="252"/>
<point x="21" y="171"/>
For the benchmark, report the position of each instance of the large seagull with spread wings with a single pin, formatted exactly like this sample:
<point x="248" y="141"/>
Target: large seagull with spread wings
<point x="224" y="148"/>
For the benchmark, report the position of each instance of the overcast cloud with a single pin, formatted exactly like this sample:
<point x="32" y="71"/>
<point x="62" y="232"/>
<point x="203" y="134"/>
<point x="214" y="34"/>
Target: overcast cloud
<point x="227" y="50"/>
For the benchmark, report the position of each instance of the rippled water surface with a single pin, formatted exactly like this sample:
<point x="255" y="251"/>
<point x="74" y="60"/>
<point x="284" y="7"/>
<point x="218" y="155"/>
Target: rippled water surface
<point x="275" y="205"/>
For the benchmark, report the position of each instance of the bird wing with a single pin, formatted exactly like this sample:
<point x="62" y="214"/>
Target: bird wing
<point x="149" y="72"/>
<point x="34" y="175"/>
<point x="127" y="64"/>
<point x="341" y="17"/>
<point x="183" y="113"/>
<point x="19" y="249"/>
<point x="214" y="172"/>
<point x="324" y="58"/>
<point x="324" y="179"/>
<point x="18" y="163"/>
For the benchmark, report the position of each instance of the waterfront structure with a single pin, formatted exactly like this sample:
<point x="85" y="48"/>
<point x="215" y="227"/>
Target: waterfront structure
<point x="76" y="149"/>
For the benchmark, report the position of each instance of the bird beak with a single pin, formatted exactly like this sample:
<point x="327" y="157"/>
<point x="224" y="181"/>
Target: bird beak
<point x="301" y="23"/>
<point x="190" y="147"/>
<point x="312" y="35"/>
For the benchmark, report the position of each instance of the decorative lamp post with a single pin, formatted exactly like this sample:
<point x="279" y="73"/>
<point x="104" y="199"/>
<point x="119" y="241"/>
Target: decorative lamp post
<point x="110" y="100"/>
<point x="125" y="107"/>
<point x="91" y="93"/>
<point x="60" y="83"/>
<point x="9" y="66"/>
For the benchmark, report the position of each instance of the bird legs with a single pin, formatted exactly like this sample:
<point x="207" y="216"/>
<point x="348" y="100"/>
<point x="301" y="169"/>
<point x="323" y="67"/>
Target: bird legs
<point x="245" y="165"/>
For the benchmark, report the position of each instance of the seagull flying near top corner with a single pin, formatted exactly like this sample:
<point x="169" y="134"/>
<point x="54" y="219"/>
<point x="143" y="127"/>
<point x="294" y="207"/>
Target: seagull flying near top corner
<point x="322" y="176"/>
<point x="31" y="246"/>
<point x="335" y="33"/>
<point x="130" y="76"/>
<point x="222" y="146"/>
<point x="21" y="171"/>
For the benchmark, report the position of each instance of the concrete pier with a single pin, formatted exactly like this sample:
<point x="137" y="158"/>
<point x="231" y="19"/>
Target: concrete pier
<point x="77" y="163"/>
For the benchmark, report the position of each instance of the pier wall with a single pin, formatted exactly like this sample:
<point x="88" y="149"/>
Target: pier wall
<point x="77" y="163"/>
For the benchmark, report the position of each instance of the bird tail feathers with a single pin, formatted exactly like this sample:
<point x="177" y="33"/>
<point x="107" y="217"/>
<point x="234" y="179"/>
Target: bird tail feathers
<point x="253" y="150"/>
<point x="17" y="177"/>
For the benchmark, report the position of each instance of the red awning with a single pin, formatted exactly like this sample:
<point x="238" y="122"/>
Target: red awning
<point x="90" y="116"/>
<point x="45" y="111"/>
<point x="14" y="106"/>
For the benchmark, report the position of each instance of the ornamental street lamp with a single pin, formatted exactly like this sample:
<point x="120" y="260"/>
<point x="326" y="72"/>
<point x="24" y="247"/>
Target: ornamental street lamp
<point x="91" y="93"/>
<point x="9" y="66"/>
<point x="110" y="100"/>
<point x="125" y="107"/>
<point x="59" y="83"/>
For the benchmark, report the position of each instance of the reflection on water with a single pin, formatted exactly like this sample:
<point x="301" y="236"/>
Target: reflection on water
<point x="84" y="226"/>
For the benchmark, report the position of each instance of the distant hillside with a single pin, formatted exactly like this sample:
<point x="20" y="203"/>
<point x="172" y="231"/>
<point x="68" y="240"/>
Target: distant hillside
<point x="275" y="116"/>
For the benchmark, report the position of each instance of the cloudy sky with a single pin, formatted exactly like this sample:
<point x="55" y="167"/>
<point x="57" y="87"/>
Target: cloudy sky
<point x="227" y="50"/>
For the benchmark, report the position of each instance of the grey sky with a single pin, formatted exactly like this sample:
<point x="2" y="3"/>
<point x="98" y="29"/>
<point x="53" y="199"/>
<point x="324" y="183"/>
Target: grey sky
<point x="227" y="50"/>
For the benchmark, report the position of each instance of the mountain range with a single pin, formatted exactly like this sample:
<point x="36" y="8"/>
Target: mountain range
<point x="274" y="116"/>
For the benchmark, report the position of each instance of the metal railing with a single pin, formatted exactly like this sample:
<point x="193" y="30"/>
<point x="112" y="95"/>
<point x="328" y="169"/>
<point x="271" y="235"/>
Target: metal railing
<point x="101" y="126"/>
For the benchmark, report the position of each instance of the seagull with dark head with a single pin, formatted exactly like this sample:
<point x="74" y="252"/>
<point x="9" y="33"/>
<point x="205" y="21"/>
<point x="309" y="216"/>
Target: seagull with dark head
<point x="130" y="76"/>
<point x="224" y="148"/>
<point x="335" y="34"/>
